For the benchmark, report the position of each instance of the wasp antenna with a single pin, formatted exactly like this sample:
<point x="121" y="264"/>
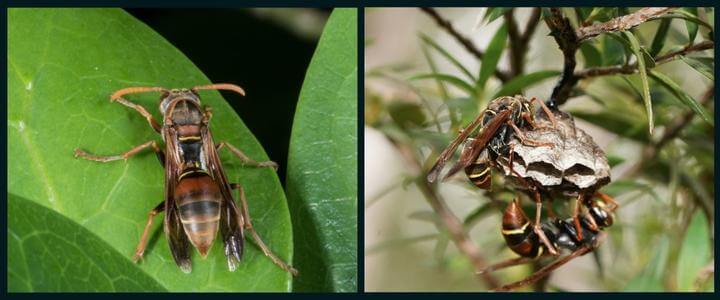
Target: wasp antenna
<point x="135" y="90"/>
<point x="220" y="86"/>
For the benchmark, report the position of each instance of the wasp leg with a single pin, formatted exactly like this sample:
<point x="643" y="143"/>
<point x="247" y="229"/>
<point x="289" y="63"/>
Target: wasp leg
<point x="505" y="264"/>
<point x="545" y="270"/>
<point x="140" y="249"/>
<point x="246" y="159"/>
<point x="117" y="96"/>
<point x="126" y="155"/>
<point x="607" y="199"/>
<point x="525" y="140"/>
<point x="530" y="121"/>
<point x="593" y="225"/>
<point x="547" y="111"/>
<point x="538" y="207"/>
<point x="576" y="217"/>
<point x="249" y="227"/>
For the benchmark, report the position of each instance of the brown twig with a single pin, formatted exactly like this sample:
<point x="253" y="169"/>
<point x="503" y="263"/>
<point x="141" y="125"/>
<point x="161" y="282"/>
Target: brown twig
<point x="630" y="69"/>
<point x="688" y="49"/>
<point x="517" y="51"/>
<point x="531" y="26"/>
<point x="465" y="42"/>
<point x="545" y="270"/>
<point x="567" y="40"/>
<point x="453" y="225"/>
<point x="621" y="23"/>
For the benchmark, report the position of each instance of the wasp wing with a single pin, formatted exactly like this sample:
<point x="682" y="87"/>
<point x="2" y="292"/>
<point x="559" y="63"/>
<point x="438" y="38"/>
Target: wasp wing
<point x="231" y="220"/>
<point x="470" y="153"/>
<point x="448" y="152"/>
<point x="177" y="239"/>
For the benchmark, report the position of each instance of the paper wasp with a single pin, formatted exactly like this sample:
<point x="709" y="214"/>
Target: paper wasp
<point x="503" y="119"/>
<point x="522" y="240"/>
<point x="198" y="197"/>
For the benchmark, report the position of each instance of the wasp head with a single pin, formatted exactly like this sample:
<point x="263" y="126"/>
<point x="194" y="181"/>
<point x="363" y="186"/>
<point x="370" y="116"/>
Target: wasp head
<point x="171" y="97"/>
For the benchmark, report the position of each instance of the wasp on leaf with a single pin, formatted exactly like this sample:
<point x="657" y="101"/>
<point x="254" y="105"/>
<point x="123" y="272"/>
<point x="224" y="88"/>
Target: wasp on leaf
<point x="198" y="197"/>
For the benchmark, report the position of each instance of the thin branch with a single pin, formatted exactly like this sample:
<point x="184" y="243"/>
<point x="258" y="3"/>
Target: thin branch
<point x="465" y="42"/>
<point x="453" y="225"/>
<point x="516" y="49"/>
<point x="688" y="49"/>
<point x="531" y="26"/>
<point x="621" y="23"/>
<point x="567" y="40"/>
<point x="630" y="69"/>
<point x="545" y="270"/>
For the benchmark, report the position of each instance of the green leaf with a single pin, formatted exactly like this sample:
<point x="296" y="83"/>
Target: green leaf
<point x="660" y="37"/>
<point x="63" y="65"/>
<point x="635" y="46"/>
<point x="467" y="107"/>
<point x="592" y="56"/>
<point x="583" y="13"/>
<point x="602" y="14"/>
<point x="703" y="66"/>
<point x="493" y="13"/>
<point x="649" y="60"/>
<point x="322" y="162"/>
<point x="614" y="160"/>
<point x="429" y="41"/>
<point x="51" y="253"/>
<point x="691" y="26"/>
<point x="406" y="114"/>
<point x="492" y="55"/>
<point x="621" y="123"/>
<point x="650" y="279"/>
<point x="695" y="252"/>
<point x="524" y="81"/>
<point x="454" y="80"/>
<point x="613" y="51"/>
<point x="681" y="14"/>
<point x="679" y="93"/>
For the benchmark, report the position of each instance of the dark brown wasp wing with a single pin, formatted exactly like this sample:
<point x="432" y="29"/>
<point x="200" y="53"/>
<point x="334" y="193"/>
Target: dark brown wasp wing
<point x="448" y="152"/>
<point x="470" y="154"/>
<point x="177" y="239"/>
<point x="231" y="220"/>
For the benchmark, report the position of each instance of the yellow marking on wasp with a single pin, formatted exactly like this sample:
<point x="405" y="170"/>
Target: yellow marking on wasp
<point x="472" y="176"/>
<point x="484" y="180"/>
<point x="189" y="138"/>
<point x="192" y="171"/>
<point x="492" y="112"/>
<point x="203" y="221"/>
<point x="516" y="231"/>
<point x="540" y="252"/>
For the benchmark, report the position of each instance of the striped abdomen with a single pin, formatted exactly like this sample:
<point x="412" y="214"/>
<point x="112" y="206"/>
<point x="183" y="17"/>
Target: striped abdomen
<point x="479" y="171"/>
<point x="198" y="199"/>
<point x="519" y="234"/>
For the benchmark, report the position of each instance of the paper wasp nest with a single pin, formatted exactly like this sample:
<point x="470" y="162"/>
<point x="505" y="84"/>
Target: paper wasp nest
<point x="574" y="163"/>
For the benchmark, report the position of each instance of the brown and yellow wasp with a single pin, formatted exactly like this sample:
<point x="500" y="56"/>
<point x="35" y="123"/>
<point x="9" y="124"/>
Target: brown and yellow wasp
<point x="504" y="118"/>
<point x="198" y="197"/>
